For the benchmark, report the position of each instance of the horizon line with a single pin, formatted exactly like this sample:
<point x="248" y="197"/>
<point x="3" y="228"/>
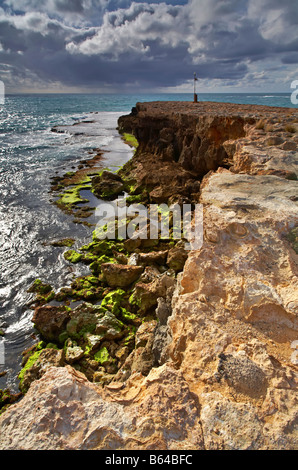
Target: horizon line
<point x="147" y="93"/>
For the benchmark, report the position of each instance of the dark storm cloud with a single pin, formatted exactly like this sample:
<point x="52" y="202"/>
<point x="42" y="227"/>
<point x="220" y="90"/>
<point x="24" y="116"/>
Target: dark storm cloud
<point x="93" y="43"/>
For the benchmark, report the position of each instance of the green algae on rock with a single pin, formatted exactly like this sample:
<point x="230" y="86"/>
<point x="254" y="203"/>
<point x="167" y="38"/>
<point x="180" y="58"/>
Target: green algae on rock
<point x="130" y="139"/>
<point x="7" y="398"/>
<point x="102" y="356"/>
<point x="69" y="242"/>
<point x="107" y="185"/>
<point x="39" y="287"/>
<point x="72" y="256"/>
<point x="37" y="364"/>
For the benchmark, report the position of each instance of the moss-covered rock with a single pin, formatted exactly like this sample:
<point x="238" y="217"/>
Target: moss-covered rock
<point x="108" y="185"/>
<point x="72" y="256"/>
<point x="39" y="287"/>
<point x="113" y="300"/>
<point x="82" y="321"/>
<point x="102" y="356"/>
<point x="130" y="139"/>
<point x="109" y="326"/>
<point x="69" y="242"/>
<point x="36" y="365"/>
<point x="8" y="398"/>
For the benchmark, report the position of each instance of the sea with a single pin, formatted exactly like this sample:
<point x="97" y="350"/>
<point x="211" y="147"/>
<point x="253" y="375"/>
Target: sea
<point x="30" y="155"/>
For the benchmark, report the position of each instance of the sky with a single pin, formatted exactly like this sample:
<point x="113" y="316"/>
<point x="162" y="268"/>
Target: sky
<point x="108" y="46"/>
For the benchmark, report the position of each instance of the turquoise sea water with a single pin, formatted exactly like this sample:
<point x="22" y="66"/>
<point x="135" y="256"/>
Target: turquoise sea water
<point x="30" y="153"/>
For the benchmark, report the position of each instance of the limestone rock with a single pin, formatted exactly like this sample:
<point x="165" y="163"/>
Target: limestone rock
<point x="243" y="374"/>
<point x="145" y="295"/>
<point x="230" y="426"/>
<point x="63" y="410"/>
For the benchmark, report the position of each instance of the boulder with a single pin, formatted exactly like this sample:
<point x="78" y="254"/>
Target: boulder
<point x="38" y="364"/>
<point x="120" y="275"/>
<point x="108" y="185"/>
<point x="51" y="321"/>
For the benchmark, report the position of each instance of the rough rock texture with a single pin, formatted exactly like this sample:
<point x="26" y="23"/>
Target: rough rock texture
<point x="201" y="137"/>
<point x="63" y="410"/>
<point x="224" y="362"/>
<point x="120" y="275"/>
<point x="50" y="321"/>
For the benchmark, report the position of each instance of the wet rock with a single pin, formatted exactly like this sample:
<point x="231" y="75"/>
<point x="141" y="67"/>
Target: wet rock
<point x="72" y="256"/>
<point x="119" y="275"/>
<point x="108" y="185"/>
<point x="51" y="321"/>
<point x="8" y="398"/>
<point x="40" y="287"/>
<point x="69" y="242"/>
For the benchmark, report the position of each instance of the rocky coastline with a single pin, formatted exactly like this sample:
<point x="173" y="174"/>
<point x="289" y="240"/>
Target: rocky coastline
<point x="159" y="347"/>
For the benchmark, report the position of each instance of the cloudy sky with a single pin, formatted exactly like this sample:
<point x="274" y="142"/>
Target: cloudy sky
<point x="110" y="46"/>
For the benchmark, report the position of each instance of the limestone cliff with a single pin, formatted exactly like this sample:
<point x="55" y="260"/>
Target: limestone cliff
<point x="227" y="377"/>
